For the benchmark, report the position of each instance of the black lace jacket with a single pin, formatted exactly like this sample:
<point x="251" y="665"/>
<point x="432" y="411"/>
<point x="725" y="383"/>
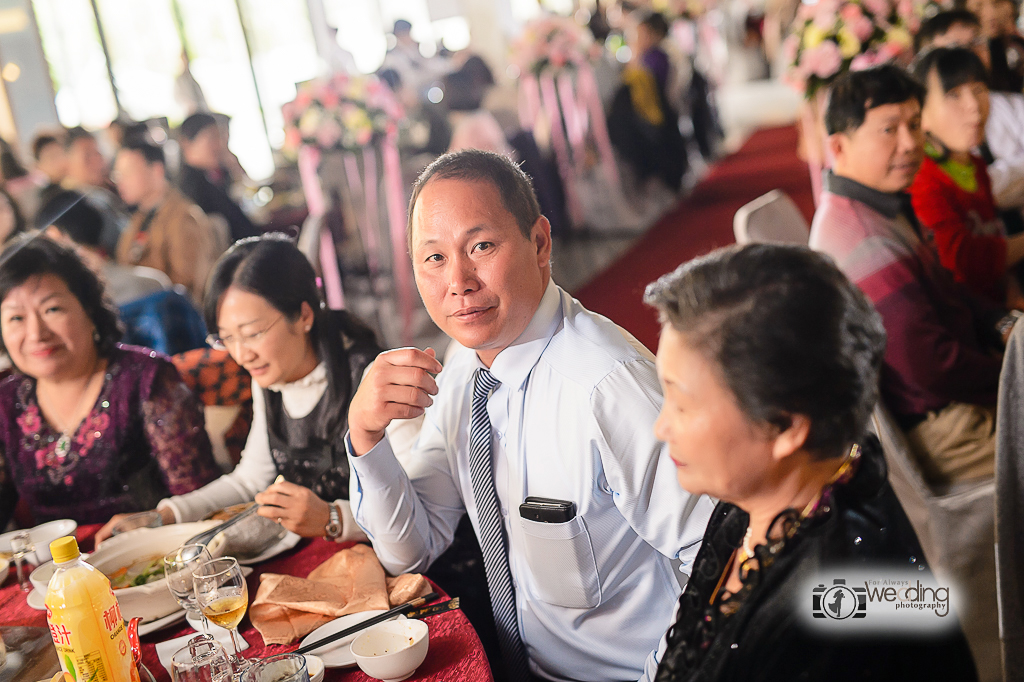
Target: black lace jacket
<point x="861" y="524"/>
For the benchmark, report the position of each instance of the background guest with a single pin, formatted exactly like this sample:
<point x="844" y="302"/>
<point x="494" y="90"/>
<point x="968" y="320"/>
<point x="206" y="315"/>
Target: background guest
<point x="951" y="194"/>
<point x="88" y="175"/>
<point x="12" y="222"/>
<point x="167" y="231"/>
<point x="1003" y="149"/>
<point x="771" y="429"/>
<point x="942" y="360"/>
<point x="51" y="162"/>
<point x="202" y="150"/>
<point x="90" y="428"/>
<point x="643" y="126"/>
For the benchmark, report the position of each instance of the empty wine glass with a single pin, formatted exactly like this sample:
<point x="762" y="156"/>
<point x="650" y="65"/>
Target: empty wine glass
<point x="178" y="568"/>
<point x="202" y="660"/>
<point x="223" y="597"/>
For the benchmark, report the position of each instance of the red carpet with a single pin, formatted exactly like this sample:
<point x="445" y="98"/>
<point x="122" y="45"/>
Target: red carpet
<point x="700" y="223"/>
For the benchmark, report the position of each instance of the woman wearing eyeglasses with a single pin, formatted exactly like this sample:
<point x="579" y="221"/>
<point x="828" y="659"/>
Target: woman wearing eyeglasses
<point x="305" y="362"/>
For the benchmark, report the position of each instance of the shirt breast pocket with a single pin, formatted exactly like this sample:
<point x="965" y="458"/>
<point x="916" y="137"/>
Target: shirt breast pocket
<point x="562" y="563"/>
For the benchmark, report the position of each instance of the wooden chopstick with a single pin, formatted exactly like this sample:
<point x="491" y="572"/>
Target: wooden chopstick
<point x="379" y="618"/>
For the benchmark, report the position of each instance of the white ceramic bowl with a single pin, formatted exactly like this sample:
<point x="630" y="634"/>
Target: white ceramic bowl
<point x="392" y="651"/>
<point x="153" y="600"/>
<point x="42" y="535"/>
<point x="314" y="668"/>
<point x="40" y="577"/>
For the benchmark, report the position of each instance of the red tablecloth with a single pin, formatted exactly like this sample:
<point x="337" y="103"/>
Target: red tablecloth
<point x="455" y="651"/>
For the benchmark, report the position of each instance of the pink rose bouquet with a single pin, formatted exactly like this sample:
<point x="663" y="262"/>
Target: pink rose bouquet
<point x="341" y="113"/>
<point x="551" y="42"/>
<point x="830" y="37"/>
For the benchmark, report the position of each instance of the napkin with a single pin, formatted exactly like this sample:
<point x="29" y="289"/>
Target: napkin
<point x="287" y="608"/>
<point x="166" y="650"/>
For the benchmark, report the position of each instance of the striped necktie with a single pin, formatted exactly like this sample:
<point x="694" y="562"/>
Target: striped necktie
<point x="492" y="533"/>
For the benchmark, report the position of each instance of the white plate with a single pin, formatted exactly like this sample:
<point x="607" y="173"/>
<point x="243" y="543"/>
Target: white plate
<point x="161" y="623"/>
<point x="338" y="654"/>
<point x="282" y="545"/>
<point x="41" y="537"/>
<point x="5" y="566"/>
<point x="36" y="601"/>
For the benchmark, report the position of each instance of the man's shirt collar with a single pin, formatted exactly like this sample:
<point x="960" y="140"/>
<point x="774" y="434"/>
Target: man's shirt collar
<point x="512" y="366"/>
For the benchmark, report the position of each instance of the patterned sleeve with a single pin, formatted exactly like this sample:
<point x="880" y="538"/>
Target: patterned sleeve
<point x="176" y="431"/>
<point x="8" y="495"/>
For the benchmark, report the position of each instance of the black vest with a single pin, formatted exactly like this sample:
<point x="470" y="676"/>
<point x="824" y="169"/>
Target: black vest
<point x="310" y="451"/>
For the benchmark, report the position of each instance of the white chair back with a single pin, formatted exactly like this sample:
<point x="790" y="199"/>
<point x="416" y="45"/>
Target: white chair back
<point x="772" y="218"/>
<point x="956" y="529"/>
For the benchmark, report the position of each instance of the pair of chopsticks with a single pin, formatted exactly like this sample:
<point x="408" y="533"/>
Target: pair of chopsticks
<point x="380" y="618"/>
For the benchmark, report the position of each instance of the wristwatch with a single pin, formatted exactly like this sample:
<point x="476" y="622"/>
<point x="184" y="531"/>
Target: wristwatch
<point x="333" y="528"/>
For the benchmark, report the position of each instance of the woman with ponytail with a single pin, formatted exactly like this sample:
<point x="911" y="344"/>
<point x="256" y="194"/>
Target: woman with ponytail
<point x="263" y="306"/>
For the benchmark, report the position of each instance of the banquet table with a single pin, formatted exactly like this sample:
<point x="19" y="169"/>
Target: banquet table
<point x="455" y="652"/>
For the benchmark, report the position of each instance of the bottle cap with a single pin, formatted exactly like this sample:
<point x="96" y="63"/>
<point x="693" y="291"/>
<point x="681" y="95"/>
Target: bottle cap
<point x="64" y="549"/>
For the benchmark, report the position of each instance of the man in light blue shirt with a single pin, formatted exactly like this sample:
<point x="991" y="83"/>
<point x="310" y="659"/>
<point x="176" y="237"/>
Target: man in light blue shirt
<point x="570" y="419"/>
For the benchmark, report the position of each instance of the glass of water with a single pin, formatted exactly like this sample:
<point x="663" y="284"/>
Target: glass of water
<point x="23" y="551"/>
<point x="203" y="660"/>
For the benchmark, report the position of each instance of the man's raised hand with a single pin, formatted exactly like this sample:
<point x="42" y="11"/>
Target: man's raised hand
<point x="398" y="385"/>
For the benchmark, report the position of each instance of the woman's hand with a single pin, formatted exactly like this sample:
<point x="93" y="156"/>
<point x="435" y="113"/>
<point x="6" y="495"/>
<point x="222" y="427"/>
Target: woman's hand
<point x="105" y="532"/>
<point x="296" y="508"/>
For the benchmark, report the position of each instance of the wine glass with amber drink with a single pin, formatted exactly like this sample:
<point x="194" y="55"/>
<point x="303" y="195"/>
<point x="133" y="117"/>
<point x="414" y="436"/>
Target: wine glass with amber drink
<point x="223" y="597"/>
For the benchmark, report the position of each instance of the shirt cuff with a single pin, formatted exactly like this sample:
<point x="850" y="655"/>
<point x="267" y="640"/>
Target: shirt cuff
<point x="378" y="468"/>
<point x="167" y="504"/>
<point x="350" y="530"/>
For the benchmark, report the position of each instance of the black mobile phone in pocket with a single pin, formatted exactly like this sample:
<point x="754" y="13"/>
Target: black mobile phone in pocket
<point x="547" y="510"/>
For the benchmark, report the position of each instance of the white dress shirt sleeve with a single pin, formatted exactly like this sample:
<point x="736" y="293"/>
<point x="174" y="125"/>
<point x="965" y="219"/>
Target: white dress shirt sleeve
<point x="254" y="473"/>
<point x="409" y="513"/>
<point x="638" y="467"/>
<point x="654" y="659"/>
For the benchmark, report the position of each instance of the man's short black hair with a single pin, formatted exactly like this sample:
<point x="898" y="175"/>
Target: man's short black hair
<point x="955" y="66"/>
<point x="195" y="124"/>
<point x="41" y="142"/>
<point x="940" y="24"/>
<point x="655" y="22"/>
<point x="513" y="185"/>
<point x="75" y="134"/>
<point x="150" y="152"/>
<point x="856" y="92"/>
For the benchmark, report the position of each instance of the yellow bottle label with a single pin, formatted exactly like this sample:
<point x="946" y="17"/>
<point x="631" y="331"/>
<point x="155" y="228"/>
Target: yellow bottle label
<point x="87" y="628"/>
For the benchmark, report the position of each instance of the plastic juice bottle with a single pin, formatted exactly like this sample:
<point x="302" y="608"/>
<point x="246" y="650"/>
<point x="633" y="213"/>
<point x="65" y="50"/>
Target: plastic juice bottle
<point x="85" y="620"/>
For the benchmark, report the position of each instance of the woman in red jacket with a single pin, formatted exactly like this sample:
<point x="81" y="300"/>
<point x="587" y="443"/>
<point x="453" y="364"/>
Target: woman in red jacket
<point x="952" y="194"/>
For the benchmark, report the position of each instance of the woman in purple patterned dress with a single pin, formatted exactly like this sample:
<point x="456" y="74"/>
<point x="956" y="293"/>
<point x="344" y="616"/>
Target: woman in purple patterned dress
<point x="88" y="427"/>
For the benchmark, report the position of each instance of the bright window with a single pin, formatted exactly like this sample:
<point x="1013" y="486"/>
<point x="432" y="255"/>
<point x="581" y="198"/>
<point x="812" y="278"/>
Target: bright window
<point x="79" y="71"/>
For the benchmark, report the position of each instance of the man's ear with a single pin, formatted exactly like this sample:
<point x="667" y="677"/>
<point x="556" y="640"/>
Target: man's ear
<point x="791" y="438"/>
<point x="540" y="236"/>
<point x="837" y="145"/>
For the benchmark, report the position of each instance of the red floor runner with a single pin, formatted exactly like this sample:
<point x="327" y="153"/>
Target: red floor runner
<point x="700" y="223"/>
